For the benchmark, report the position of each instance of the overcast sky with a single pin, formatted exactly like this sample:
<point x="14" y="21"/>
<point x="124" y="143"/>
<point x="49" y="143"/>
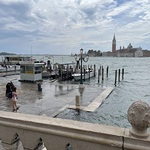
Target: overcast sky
<point x="65" y="26"/>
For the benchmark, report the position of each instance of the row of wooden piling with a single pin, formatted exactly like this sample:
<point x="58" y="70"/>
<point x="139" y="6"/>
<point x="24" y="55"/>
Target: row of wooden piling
<point x="101" y="74"/>
<point x="119" y="75"/>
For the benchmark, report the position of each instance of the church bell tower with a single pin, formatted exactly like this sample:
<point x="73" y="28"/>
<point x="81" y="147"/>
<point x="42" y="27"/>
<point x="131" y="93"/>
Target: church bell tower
<point x="114" y="44"/>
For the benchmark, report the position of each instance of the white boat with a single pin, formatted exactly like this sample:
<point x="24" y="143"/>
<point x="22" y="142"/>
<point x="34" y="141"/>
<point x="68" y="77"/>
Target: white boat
<point x="14" y="59"/>
<point x="87" y="75"/>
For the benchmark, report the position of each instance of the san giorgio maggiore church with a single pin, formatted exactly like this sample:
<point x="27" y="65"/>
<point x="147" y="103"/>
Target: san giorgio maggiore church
<point x="128" y="51"/>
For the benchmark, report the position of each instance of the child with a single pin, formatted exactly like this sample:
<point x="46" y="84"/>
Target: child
<point x="14" y="97"/>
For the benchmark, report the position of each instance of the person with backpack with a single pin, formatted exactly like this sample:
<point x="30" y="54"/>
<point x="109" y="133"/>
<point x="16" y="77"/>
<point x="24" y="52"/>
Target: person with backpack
<point x="8" y="90"/>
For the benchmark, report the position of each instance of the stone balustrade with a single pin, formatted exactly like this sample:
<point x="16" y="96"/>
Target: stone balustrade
<point x="32" y="132"/>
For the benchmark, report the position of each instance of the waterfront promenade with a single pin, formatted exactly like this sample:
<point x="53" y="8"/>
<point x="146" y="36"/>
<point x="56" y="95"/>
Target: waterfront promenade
<point x="53" y="97"/>
<point x="135" y="86"/>
<point x="113" y="110"/>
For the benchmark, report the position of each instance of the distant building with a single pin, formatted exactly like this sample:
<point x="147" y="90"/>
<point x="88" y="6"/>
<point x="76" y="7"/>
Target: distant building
<point x="114" y="44"/>
<point x="130" y="52"/>
<point x="146" y="53"/>
<point x="139" y="52"/>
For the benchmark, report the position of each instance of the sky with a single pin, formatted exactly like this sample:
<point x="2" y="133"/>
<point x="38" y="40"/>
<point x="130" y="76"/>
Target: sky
<point x="66" y="26"/>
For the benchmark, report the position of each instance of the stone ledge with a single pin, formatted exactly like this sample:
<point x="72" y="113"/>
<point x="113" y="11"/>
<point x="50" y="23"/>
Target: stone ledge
<point x="54" y="130"/>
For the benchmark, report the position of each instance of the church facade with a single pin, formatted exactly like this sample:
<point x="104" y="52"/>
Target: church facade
<point x="129" y="51"/>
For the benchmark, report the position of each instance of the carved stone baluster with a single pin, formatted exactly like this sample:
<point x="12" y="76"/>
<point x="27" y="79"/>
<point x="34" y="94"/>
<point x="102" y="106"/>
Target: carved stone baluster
<point x="139" y="118"/>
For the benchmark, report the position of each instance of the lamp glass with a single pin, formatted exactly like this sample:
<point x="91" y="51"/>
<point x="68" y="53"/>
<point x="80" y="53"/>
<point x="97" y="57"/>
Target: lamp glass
<point x="81" y="51"/>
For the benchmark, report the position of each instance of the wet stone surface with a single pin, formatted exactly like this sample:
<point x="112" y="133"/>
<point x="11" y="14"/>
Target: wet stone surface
<point x="52" y="98"/>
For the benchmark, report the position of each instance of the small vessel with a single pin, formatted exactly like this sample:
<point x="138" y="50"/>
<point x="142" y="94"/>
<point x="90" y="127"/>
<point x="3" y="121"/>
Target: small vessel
<point x="63" y="71"/>
<point x="14" y="59"/>
<point x="87" y="74"/>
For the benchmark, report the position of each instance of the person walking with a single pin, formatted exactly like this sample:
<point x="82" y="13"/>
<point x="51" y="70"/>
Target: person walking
<point x="8" y="89"/>
<point x="14" y="97"/>
<point x="12" y="85"/>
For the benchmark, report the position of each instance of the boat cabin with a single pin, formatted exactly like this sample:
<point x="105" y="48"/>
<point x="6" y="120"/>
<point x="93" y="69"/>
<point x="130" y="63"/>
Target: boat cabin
<point x="15" y="59"/>
<point x="31" y="71"/>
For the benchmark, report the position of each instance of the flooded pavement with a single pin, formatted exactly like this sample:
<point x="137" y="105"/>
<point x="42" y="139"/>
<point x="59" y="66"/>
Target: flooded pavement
<point x="50" y="100"/>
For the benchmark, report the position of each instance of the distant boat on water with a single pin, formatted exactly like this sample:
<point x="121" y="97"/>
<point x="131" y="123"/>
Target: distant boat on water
<point x="14" y="59"/>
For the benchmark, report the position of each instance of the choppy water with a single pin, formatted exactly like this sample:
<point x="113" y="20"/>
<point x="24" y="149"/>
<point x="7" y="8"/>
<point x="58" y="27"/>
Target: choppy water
<point x="135" y="86"/>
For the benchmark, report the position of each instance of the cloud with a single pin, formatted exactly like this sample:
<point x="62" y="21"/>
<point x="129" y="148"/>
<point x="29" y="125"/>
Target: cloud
<point x="68" y="25"/>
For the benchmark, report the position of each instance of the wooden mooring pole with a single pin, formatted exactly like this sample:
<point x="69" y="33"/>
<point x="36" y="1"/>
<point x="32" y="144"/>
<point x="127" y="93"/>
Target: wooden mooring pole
<point x="84" y="74"/>
<point x="94" y="70"/>
<point x="100" y="70"/>
<point x="102" y="74"/>
<point x="89" y="73"/>
<point x="122" y="73"/>
<point x="98" y="75"/>
<point x="119" y="75"/>
<point x="115" y="77"/>
<point x="107" y="71"/>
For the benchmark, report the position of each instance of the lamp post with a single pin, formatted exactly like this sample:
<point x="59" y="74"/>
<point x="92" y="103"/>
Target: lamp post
<point x="81" y="58"/>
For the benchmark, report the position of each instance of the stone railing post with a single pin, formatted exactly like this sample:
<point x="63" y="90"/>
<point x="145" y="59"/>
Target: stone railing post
<point x="139" y="118"/>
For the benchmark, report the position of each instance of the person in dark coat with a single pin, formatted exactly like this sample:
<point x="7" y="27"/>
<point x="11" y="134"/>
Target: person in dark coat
<point x="12" y="86"/>
<point x="8" y="89"/>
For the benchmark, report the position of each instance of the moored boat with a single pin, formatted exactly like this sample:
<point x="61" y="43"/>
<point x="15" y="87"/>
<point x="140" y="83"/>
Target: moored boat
<point x="14" y="59"/>
<point x="89" y="73"/>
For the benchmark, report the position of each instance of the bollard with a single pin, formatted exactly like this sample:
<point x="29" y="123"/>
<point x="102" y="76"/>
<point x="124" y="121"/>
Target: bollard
<point x="77" y="100"/>
<point x="68" y="147"/>
<point x="39" y="87"/>
<point x="115" y="77"/>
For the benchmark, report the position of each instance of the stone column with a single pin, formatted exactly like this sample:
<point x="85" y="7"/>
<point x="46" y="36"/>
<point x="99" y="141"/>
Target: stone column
<point x="81" y="90"/>
<point x="77" y="100"/>
<point x="139" y="118"/>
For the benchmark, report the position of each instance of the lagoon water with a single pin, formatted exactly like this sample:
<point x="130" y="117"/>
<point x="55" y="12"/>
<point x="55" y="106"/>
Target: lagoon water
<point x="135" y="86"/>
<point x="113" y="111"/>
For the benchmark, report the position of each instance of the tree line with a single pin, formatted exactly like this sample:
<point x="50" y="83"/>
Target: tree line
<point x="5" y="53"/>
<point x="94" y="53"/>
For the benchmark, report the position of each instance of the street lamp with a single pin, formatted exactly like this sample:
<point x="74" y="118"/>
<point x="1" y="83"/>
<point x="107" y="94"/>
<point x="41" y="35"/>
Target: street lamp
<point x="81" y="58"/>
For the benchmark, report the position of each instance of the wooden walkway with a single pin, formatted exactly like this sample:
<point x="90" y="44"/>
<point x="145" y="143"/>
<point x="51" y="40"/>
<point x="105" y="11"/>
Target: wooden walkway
<point x="96" y="102"/>
<point x="92" y="106"/>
